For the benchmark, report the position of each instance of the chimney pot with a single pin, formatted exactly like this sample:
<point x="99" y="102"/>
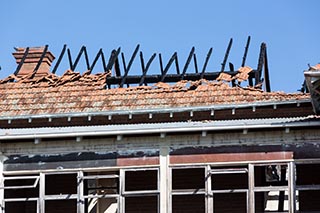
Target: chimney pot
<point x="32" y="60"/>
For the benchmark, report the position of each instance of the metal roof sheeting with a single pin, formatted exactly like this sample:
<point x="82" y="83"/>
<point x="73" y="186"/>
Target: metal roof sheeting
<point x="155" y="128"/>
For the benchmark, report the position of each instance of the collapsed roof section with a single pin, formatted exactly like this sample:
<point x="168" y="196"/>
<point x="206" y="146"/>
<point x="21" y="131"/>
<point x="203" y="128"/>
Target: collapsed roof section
<point x="34" y="63"/>
<point x="34" y="92"/>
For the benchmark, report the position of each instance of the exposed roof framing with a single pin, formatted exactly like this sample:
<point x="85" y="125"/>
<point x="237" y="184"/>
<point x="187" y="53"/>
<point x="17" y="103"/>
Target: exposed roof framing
<point x="122" y="77"/>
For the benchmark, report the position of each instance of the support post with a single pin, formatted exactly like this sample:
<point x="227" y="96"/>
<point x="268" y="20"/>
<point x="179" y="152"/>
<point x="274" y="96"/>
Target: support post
<point x="1" y="185"/>
<point x="80" y="189"/>
<point x="209" y="194"/>
<point x="292" y="187"/>
<point x="121" y="201"/>
<point x="164" y="171"/>
<point x="42" y="187"/>
<point x="251" y="206"/>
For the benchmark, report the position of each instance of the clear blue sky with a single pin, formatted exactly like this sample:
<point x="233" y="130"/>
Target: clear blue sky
<point x="289" y="27"/>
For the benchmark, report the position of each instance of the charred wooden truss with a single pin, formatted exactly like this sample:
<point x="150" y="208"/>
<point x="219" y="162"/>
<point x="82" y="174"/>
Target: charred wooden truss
<point x="122" y="78"/>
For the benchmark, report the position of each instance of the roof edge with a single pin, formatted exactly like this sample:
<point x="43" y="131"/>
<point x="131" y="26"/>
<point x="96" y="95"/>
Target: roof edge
<point x="153" y="129"/>
<point x="157" y="110"/>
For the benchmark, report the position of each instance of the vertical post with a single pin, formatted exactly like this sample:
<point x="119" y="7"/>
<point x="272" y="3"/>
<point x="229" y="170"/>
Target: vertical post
<point x="164" y="171"/>
<point x="80" y="192"/>
<point x="1" y="185"/>
<point x="42" y="187"/>
<point x="121" y="201"/>
<point x="209" y="195"/>
<point x="266" y="71"/>
<point x="251" y="206"/>
<point x="292" y="187"/>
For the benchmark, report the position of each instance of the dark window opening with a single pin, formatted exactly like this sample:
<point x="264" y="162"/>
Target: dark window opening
<point x="188" y="204"/>
<point x="61" y="184"/>
<point x="61" y="206"/>
<point x="230" y="202"/>
<point x="188" y="178"/>
<point x="144" y="204"/>
<point x="141" y="180"/>
<point x="21" y="207"/>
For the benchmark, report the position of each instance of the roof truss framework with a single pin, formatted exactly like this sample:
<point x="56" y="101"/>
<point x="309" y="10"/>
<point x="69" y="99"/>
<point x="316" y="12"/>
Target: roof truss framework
<point x="122" y="76"/>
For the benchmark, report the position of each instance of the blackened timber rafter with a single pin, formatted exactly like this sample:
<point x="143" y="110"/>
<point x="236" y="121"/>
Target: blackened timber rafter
<point x="127" y="68"/>
<point x="113" y="60"/>
<point x="266" y="71"/>
<point x="121" y="76"/>
<point x="83" y="50"/>
<point x="260" y="64"/>
<point x="99" y="54"/>
<point x="246" y="49"/>
<point x="26" y="52"/>
<point x="145" y="68"/>
<point x="41" y="59"/>
<point x="206" y="63"/>
<point x="166" y="69"/>
<point x="223" y="64"/>
<point x="186" y="65"/>
<point x="59" y="59"/>
<point x="263" y="64"/>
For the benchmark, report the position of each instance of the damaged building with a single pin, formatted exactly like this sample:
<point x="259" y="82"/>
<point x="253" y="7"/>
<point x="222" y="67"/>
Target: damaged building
<point x="187" y="141"/>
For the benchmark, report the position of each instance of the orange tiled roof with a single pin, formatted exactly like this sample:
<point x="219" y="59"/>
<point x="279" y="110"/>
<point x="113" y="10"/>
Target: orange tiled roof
<point x="75" y="93"/>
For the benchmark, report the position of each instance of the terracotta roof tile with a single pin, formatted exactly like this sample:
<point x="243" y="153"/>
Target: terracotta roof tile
<point x="73" y="92"/>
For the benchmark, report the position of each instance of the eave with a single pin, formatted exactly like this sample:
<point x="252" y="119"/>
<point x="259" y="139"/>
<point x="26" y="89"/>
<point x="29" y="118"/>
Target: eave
<point x="159" y="128"/>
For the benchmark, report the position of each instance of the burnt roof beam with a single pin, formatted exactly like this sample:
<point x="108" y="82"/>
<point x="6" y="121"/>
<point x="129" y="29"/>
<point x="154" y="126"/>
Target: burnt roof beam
<point x="26" y="52"/>
<point x="145" y="68"/>
<point x="127" y="68"/>
<point x="266" y="71"/>
<point x="223" y="64"/>
<point x="41" y="59"/>
<point x="166" y="69"/>
<point x="246" y="49"/>
<point x="113" y="60"/>
<point x="59" y="59"/>
<point x="74" y="65"/>
<point x="206" y="62"/>
<point x="186" y="65"/>
<point x="99" y="54"/>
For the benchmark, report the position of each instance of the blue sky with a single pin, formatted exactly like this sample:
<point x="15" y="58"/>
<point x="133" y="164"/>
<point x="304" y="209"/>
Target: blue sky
<point x="290" y="29"/>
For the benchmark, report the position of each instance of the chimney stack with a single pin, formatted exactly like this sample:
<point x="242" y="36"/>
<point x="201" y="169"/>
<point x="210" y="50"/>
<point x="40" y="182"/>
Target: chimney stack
<point x="31" y="61"/>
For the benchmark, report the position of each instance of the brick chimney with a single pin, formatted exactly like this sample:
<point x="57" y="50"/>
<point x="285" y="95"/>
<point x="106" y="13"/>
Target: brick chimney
<point x="32" y="59"/>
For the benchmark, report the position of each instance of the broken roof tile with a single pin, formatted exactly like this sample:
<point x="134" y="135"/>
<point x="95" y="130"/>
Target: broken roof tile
<point x="73" y="92"/>
<point x="224" y="77"/>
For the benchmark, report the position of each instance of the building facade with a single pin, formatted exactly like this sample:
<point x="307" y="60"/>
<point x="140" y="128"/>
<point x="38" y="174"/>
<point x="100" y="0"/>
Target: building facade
<point x="75" y="144"/>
